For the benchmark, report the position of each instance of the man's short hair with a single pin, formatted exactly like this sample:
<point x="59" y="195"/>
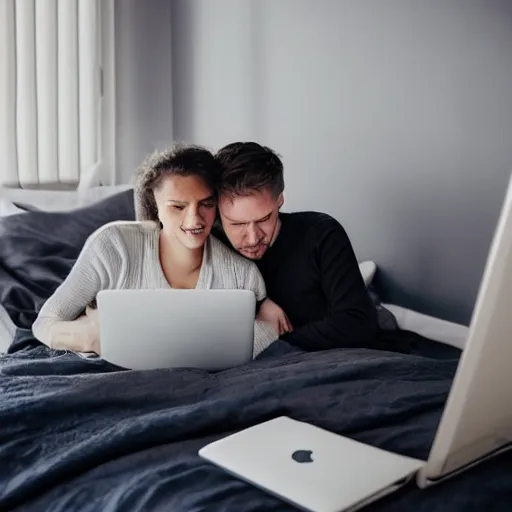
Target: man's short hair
<point x="248" y="167"/>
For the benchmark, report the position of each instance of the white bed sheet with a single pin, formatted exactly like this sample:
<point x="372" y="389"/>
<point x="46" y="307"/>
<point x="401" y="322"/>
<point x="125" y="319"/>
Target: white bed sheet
<point x="428" y="326"/>
<point x="7" y="330"/>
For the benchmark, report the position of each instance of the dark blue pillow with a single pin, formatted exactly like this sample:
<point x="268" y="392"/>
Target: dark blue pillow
<point x="38" y="249"/>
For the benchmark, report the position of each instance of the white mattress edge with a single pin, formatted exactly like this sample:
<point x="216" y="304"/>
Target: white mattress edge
<point x="430" y="327"/>
<point x="7" y="330"/>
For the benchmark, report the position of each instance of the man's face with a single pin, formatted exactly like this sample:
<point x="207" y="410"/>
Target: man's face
<point x="250" y="222"/>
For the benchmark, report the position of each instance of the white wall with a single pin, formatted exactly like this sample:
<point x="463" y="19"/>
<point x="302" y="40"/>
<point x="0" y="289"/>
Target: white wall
<point x="143" y="81"/>
<point x="213" y="69"/>
<point x="393" y="116"/>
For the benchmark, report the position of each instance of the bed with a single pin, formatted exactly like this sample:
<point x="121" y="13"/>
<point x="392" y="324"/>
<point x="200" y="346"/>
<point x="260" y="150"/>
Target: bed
<point x="80" y="434"/>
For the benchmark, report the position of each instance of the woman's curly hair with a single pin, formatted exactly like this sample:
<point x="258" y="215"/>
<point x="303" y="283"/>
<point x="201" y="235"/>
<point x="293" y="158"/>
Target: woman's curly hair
<point x="179" y="160"/>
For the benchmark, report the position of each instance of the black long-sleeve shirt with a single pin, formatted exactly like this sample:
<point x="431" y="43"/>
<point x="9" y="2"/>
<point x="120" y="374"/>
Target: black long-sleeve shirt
<point x="311" y="272"/>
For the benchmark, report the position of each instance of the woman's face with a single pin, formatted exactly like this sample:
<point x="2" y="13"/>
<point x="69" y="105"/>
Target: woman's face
<point x="186" y="208"/>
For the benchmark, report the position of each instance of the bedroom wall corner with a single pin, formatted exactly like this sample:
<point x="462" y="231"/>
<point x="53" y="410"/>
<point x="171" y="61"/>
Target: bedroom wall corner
<point x="143" y="81"/>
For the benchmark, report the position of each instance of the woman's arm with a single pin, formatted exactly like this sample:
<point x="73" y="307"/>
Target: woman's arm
<point x="266" y="326"/>
<point x="264" y="336"/>
<point x="79" y="335"/>
<point x="59" y="324"/>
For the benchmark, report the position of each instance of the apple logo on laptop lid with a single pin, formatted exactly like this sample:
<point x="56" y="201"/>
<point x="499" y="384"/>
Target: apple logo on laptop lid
<point x="302" y="456"/>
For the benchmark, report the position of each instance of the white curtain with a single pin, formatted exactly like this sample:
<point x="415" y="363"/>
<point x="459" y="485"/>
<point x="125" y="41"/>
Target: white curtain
<point x="8" y="151"/>
<point x="50" y="90"/>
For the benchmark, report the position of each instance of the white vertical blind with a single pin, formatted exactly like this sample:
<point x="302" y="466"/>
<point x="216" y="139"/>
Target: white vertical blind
<point x="46" y="87"/>
<point x="50" y="96"/>
<point x="8" y="153"/>
<point x="88" y="82"/>
<point x="67" y="16"/>
<point x="107" y="142"/>
<point x="26" y="109"/>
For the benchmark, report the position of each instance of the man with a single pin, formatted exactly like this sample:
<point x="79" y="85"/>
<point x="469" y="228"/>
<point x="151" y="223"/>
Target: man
<point x="306" y="258"/>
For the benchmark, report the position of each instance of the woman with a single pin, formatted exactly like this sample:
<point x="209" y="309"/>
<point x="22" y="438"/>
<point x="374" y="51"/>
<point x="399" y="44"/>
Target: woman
<point x="176" y="192"/>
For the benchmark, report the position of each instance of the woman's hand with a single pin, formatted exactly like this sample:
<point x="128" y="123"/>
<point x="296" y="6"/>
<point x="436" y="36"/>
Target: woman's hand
<point x="272" y="314"/>
<point x="79" y="335"/>
<point x="93" y="330"/>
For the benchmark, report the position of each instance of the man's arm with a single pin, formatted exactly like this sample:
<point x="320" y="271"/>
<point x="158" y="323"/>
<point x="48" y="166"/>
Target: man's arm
<point x="351" y="319"/>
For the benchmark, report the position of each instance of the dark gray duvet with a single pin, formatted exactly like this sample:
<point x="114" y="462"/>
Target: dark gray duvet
<point x="79" y="435"/>
<point x="82" y="435"/>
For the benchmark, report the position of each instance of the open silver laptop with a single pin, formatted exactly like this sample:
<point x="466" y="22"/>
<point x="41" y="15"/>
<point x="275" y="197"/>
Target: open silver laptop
<point x="170" y="328"/>
<point x="324" y="472"/>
